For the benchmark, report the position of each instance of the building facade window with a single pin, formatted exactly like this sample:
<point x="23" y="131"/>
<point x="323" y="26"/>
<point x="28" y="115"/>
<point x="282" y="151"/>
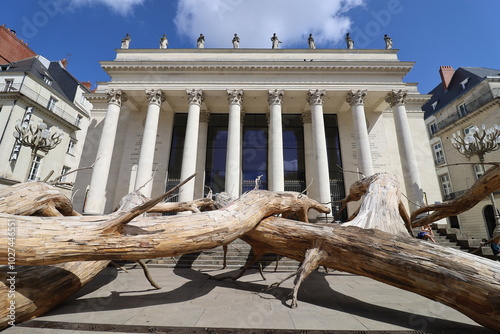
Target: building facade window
<point x="462" y="110"/>
<point x="438" y="153"/>
<point x="215" y="163"/>
<point x="432" y="128"/>
<point x="64" y="170"/>
<point x="35" y="168"/>
<point x="469" y="130"/>
<point x="71" y="147"/>
<point x="78" y="120"/>
<point x="478" y="171"/>
<point x="446" y="185"/>
<point x="52" y="103"/>
<point x="9" y="84"/>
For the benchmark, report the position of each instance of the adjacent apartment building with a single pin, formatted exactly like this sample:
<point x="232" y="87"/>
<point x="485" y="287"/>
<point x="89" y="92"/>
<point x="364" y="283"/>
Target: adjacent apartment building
<point x="466" y="98"/>
<point x="39" y="99"/>
<point x="297" y="118"/>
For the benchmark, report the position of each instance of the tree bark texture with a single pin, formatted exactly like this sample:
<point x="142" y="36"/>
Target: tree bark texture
<point x="465" y="282"/>
<point x="468" y="283"/>
<point x="50" y="240"/>
<point x="38" y="289"/>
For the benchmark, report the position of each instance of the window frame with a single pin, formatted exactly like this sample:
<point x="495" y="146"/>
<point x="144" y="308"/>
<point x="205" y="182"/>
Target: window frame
<point x="35" y="168"/>
<point x="446" y="185"/>
<point x="462" y="110"/>
<point x="52" y="103"/>
<point x="438" y="154"/>
<point x="71" y="146"/>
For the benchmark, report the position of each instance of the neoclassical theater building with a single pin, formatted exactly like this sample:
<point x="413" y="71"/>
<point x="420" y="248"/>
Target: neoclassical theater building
<point x="297" y="119"/>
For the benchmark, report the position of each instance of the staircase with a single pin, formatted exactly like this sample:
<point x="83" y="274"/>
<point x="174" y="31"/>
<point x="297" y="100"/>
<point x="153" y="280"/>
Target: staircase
<point x="238" y="252"/>
<point x="453" y="237"/>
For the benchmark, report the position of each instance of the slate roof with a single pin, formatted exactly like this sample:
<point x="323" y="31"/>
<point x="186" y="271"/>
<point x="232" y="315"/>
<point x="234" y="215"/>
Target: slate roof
<point x="62" y="81"/>
<point x="455" y="90"/>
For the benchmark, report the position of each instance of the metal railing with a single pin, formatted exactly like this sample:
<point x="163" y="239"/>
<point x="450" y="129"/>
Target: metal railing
<point x="469" y="108"/>
<point x="39" y="99"/>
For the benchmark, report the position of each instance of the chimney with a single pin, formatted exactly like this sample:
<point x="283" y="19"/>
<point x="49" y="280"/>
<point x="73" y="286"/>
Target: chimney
<point x="64" y="62"/>
<point x="87" y="84"/>
<point x="446" y="73"/>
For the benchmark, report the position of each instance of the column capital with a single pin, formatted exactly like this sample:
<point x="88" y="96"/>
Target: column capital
<point x="204" y="116"/>
<point x="306" y="117"/>
<point x="195" y="96"/>
<point x="396" y="97"/>
<point x="356" y="97"/>
<point x="235" y="96"/>
<point x="155" y="96"/>
<point x="275" y="96"/>
<point x="315" y="96"/>
<point x="116" y="96"/>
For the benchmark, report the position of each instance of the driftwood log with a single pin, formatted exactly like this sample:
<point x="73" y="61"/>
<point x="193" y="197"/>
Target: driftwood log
<point x="459" y="280"/>
<point x="50" y="240"/>
<point x="38" y="289"/>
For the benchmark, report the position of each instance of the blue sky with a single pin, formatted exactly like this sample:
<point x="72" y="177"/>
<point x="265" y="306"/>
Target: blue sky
<point x="458" y="33"/>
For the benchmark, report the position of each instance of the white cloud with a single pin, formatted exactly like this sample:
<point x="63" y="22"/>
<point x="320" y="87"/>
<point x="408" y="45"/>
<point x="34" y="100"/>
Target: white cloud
<point x="256" y="20"/>
<point x="122" y="7"/>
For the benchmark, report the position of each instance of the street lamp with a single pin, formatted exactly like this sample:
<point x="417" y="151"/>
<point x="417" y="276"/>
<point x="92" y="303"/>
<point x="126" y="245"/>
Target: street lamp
<point x="479" y="142"/>
<point x="37" y="138"/>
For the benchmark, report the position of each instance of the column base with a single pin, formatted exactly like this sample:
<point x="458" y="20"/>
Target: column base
<point x="90" y="213"/>
<point x="324" y="218"/>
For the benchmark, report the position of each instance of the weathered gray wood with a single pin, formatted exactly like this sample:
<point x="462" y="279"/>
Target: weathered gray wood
<point x="50" y="240"/>
<point x="465" y="282"/>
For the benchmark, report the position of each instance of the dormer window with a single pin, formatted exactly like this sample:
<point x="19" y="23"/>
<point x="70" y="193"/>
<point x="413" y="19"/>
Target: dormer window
<point x="463" y="83"/>
<point x="434" y="105"/>
<point x="47" y="80"/>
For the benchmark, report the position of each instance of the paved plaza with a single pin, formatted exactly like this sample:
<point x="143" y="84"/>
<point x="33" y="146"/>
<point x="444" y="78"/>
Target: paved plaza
<point x="191" y="302"/>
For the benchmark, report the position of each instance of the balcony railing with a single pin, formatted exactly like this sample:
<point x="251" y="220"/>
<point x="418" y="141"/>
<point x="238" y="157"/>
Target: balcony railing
<point x="469" y="108"/>
<point x="39" y="99"/>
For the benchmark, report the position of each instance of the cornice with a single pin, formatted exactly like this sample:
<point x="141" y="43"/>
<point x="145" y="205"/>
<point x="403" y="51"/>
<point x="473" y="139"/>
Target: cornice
<point x="114" y="67"/>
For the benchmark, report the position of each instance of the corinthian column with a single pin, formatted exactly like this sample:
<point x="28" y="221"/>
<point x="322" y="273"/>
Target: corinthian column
<point x="146" y="157"/>
<point x="315" y="99"/>
<point x="195" y="98"/>
<point x="357" y="101"/>
<point x="277" y="179"/>
<point x="233" y="155"/>
<point x="96" y="197"/>
<point x="397" y="101"/>
<point x="309" y="155"/>
<point x="201" y="159"/>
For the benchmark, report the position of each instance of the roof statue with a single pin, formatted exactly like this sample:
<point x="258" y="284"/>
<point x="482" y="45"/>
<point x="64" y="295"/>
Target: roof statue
<point x="163" y="42"/>
<point x="349" y="41"/>
<point x="126" y="41"/>
<point x="275" y="41"/>
<point x="201" y="42"/>
<point x="310" y="41"/>
<point x="388" y="42"/>
<point x="236" y="42"/>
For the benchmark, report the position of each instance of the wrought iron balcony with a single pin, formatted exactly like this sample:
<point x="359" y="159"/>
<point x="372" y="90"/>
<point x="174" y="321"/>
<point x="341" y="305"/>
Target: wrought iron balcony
<point x="469" y="109"/>
<point x="46" y="105"/>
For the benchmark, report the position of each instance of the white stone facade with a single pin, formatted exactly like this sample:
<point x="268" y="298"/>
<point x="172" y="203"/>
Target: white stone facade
<point x="456" y="172"/>
<point x="357" y="90"/>
<point x="30" y="99"/>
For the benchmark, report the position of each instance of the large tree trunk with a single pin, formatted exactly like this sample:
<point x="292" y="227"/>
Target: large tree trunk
<point x="38" y="289"/>
<point x="465" y="282"/>
<point x="460" y="280"/>
<point x="52" y="240"/>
